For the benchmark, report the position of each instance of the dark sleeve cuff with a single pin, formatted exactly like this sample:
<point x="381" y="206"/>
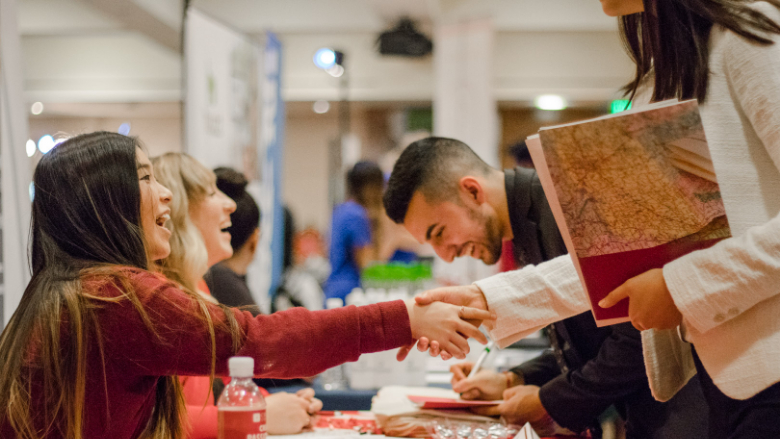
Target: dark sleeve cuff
<point x="540" y="370"/>
<point x="568" y="410"/>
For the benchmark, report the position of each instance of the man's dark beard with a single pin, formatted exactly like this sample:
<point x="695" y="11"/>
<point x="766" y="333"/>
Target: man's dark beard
<point x="493" y="241"/>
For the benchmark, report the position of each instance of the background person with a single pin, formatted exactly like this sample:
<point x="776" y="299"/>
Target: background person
<point x="227" y="279"/>
<point x="299" y="286"/>
<point x="352" y="227"/>
<point x="445" y="195"/>
<point x="725" y="53"/>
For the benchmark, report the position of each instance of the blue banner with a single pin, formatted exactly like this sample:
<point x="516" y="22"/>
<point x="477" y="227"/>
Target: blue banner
<point x="270" y="155"/>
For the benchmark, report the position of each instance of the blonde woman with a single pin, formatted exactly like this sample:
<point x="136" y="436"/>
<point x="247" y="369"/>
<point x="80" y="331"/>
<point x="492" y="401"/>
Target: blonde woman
<point x="199" y="214"/>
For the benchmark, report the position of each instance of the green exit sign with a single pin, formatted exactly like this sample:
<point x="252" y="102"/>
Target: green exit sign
<point x="619" y="105"/>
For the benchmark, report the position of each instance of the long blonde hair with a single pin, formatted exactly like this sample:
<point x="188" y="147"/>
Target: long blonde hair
<point x="190" y="182"/>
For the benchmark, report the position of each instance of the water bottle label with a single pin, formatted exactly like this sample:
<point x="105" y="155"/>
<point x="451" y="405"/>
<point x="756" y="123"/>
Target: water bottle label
<point x="241" y="424"/>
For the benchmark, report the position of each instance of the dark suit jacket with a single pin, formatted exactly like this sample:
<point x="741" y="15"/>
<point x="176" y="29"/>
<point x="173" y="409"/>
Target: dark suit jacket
<point x="591" y="368"/>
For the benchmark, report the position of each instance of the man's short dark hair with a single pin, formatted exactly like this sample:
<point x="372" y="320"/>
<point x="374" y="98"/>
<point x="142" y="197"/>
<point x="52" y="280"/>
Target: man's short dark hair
<point x="519" y="151"/>
<point x="434" y="166"/>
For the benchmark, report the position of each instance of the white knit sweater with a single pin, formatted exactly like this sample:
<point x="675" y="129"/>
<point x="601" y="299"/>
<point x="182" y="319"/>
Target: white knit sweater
<point x="728" y="294"/>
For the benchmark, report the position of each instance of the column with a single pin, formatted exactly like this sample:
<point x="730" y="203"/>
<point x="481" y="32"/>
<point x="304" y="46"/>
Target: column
<point x="464" y="108"/>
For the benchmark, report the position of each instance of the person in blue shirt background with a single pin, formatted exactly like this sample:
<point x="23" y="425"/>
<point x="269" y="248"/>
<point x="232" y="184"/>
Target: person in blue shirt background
<point x="351" y="246"/>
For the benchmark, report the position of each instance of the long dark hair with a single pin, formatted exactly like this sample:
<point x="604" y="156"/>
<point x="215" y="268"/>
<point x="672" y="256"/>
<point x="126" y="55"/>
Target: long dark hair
<point x="85" y="224"/>
<point x="246" y="218"/>
<point x="86" y="207"/>
<point x="671" y="41"/>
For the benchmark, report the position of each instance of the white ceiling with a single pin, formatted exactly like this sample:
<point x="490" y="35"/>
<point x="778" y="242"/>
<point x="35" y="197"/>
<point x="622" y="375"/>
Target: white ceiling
<point x="127" y="50"/>
<point x="50" y="17"/>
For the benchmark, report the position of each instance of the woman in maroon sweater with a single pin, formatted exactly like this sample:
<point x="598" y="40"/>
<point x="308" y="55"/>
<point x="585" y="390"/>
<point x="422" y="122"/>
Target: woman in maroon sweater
<point x="95" y="345"/>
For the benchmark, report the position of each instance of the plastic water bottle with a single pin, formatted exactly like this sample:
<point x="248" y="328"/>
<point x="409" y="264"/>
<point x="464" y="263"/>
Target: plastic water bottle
<point x="241" y="407"/>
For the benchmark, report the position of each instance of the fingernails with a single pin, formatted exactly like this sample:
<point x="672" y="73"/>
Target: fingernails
<point x="603" y="303"/>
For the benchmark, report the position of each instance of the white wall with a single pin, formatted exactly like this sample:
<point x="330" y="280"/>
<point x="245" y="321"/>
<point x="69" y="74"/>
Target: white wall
<point x="582" y="66"/>
<point x="159" y="135"/>
<point x="113" y="67"/>
<point x="305" y="178"/>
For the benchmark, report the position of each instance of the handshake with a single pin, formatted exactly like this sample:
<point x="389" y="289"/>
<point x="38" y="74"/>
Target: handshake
<point x="446" y="318"/>
<point x="443" y="319"/>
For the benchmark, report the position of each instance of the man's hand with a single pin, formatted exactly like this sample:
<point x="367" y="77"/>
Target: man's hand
<point x="465" y="295"/>
<point x="447" y="324"/>
<point x="485" y="385"/>
<point x="651" y="305"/>
<point x="521" y="404"/>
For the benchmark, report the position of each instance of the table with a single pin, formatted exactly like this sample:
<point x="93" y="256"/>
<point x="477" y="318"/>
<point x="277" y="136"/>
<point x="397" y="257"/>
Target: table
<point x="344" y="399"/>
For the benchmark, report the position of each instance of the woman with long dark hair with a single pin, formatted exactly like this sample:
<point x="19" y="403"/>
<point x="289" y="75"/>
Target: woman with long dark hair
<point x="97" y="342"/>
<point x="725" y="54"/>
<point x="725" y="299"/>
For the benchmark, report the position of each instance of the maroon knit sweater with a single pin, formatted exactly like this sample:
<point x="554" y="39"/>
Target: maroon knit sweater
<point x="293" y="343"/>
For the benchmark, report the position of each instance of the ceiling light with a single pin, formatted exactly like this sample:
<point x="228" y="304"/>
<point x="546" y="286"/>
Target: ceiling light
<point x="550" y="102"/>
<point x="325" y="58"/>
<point x="336" y="71"/>
<point x="124" y="129"/>
<point x="37" y="108"/>
<point x="321" y="107"/>
<point x="46" y="143"/>
<point x="30" y="147"/>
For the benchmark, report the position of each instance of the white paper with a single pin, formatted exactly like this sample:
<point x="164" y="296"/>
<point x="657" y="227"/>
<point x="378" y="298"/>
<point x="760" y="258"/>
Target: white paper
<point x="527" y="432"/>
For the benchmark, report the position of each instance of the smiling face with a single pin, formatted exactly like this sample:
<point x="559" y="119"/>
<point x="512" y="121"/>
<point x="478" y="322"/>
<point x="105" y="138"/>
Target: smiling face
<point x="211" y="216"/>
<point x="616" y="8"/>
<point x="455" y="229"/>
<point x="155" y="211"/>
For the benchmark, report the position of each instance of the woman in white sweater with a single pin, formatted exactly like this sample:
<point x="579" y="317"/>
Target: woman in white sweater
<point x="726" y="299"/>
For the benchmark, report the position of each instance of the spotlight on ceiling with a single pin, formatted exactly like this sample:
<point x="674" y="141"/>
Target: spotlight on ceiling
<point x="325" y="58"/>
<point x="330" y="60"/>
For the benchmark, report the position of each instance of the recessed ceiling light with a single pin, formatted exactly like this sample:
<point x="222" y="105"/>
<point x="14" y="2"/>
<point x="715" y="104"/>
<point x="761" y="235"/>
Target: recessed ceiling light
<point x="550" y="102"/>
<point x="37" y="108"/>
<point x="321" y="107"/>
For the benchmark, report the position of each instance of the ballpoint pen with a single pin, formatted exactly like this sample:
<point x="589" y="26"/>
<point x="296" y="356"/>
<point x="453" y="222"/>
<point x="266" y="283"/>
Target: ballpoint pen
<point x="481" y="359"/>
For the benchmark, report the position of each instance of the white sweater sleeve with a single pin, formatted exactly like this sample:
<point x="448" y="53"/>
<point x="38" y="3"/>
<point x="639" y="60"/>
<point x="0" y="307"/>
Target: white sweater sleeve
<point x="715" y="285"/>
<point x="528" y="299"/>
